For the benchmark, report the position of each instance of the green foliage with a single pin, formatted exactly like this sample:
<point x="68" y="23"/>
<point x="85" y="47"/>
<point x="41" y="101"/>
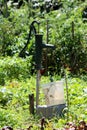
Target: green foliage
<point x="5" y="96"/>
<point x="13" y="31"/>
<point x="77" y="101"/>
<point x="6" y="37"/>
<point x="7" y="118"/>
<point x="70" y="41"/>
<point x="15" y="68"/>
<point x="67" y="31"/>
<point x="14" y="103"/>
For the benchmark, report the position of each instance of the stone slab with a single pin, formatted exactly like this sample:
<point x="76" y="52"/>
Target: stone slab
<point x="50" y="111"/>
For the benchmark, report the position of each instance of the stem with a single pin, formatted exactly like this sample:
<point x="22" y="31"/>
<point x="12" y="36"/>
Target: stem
<point x="73" y="35"/>
<point x="67" y="96"/>
<point x="6" y="8"/>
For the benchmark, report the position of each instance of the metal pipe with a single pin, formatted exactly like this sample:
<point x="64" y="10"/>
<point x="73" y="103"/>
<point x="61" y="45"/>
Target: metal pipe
<point x="37" y="87"/>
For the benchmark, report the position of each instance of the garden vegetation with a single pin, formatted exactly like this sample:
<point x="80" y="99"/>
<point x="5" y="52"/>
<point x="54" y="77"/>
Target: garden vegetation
<point x="63" y="23"/>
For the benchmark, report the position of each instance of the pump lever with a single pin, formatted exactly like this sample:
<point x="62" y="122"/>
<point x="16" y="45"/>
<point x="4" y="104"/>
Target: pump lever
<point x="32" y="28"/>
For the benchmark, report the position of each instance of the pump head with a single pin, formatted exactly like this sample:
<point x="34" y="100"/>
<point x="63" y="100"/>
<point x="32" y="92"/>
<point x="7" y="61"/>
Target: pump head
<point x="39" y="45"/>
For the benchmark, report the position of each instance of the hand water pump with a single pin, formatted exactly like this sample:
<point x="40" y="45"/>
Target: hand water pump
<point x="39" y="45"/>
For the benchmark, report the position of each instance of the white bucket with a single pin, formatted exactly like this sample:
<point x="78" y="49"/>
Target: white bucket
<point x="54" y="93"/>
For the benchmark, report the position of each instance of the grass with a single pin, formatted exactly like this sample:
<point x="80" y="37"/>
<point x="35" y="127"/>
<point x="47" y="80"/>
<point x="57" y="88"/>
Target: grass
<point x="14" y="102"/>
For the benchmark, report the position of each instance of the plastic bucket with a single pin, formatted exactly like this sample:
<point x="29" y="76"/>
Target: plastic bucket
<point x="54" y="93"/>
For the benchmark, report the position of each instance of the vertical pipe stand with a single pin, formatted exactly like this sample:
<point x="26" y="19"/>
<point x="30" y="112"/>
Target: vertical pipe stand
<point x="37" y="87"/>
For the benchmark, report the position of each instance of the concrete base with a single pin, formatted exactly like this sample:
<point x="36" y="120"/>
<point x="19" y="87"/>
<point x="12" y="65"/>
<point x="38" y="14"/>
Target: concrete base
<point x="50" y="111"/>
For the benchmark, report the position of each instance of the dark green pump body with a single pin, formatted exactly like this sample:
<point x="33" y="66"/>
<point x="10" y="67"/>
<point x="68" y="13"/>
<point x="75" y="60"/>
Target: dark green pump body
<point x="39" y="45"/>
